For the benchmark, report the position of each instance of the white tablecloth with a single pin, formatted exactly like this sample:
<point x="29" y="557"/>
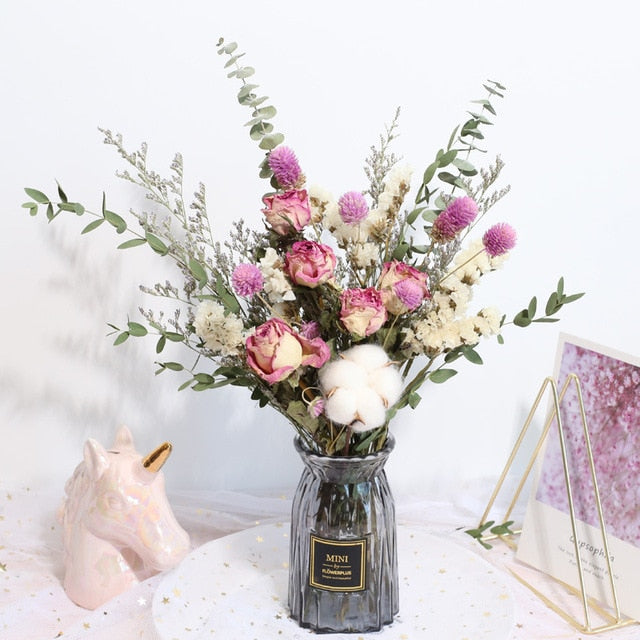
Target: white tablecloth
<point x="33" y="605"/>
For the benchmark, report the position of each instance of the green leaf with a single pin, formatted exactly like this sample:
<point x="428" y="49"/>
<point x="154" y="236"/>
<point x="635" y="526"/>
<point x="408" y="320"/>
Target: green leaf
<point x="198" y="272"/>
<point x="452" y="137"/>
<point x="522" y="319"/>
<point x="93" y="225"/>
<point x="442" y="375"/>
<point x="401" y="251"/>
<point x="414" y="400"/>
<point x="228" y="300"/>
<point x="184" y="385"/>
<point x="78" y="209"/>
<point x="244" y="72"/>
<point x="134" y="242"/>
<point x="413" y="215"/>
<point x="500" y="338"/>
<point x="156" y="244"/>
<point x="471" y="355"/>
<point x="465" y="167"/>
<point x="160" y="345"/>
<point x="115" y="220"/>
<point x="61" y="193"/>
<point x="38" y="196"/>
<point x="533" y="305"/>
<point x="258" y="131"/>
<point x="430" y="172"/>
<point x="571" y="298"/>
<point x="173" y="336"/>
<point x="447" y="158"/>
<point x="552" y="304"/>
<point x="232" y="60"/>
<point x="246" y="90"/>
<point x="230" y="47"/>
<point x="560" y="287"/>
<point x="267" y="112"/>
<point x="271" y="141"/>
<point x="32" y="206"/>
<point x="173" y="366"/>
<point x="121" y="338"/>
<point x="204" y="378"/>
<point x="487" y="105"/>
<point x="136" y="329"/>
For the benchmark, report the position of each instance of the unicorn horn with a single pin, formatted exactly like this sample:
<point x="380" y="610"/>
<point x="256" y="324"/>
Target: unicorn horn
<point x="154" y="461"/>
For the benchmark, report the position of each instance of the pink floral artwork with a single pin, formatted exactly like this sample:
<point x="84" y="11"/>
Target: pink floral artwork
<point x="610" y="389"/>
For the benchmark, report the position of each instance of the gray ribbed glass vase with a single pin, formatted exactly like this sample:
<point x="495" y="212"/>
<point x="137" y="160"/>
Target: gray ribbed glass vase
<point x="343" y="567"/>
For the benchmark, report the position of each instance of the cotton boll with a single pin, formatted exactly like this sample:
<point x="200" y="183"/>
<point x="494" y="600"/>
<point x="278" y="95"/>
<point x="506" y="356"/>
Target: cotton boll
<point x="341" y="373"/>
<point x="387" y="383"/>
<point x="370" y="409"/>
<point x="342" y="406"/>
<point x="368" y="356"/>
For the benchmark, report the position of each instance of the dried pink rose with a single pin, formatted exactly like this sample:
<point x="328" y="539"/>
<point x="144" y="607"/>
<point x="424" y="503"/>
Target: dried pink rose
<point x="362" y="311"/>
<point x="402" y="287"/>
<point x="287" y="212"/>
<point x="310" y="263"/>
<point x="275" y="351"/>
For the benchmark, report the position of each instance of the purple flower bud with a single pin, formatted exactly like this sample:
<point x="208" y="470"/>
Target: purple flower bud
<point x="460" y="213"/>
<point x="246" y="280"/>
<point x="499" y="239"/>
<point x="353" y="207"/>
<point x="284" y="164"/>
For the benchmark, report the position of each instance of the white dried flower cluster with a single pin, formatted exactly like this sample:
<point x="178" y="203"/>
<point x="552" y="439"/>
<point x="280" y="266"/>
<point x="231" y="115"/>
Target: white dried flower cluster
<point x="359" y="387"/>
<point x="446" y="326"/>
<point x="223" y="335"/>
<point x="276" y="284"/>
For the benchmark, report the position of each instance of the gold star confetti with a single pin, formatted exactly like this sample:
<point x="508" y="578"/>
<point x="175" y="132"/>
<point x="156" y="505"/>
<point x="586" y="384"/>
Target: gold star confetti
<point x="9" y="496"/>
<point x="176" y="592"/>
<point x="503" y="596"/>
<point x="86" y="625"/>
<point x="165" y="600"/>
<point x="442" y="571"/>
<point x="259" y="539"/>
<point x="3" y="567"/>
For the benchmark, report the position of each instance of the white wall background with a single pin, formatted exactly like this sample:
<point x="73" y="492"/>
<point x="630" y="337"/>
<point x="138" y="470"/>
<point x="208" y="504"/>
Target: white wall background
<point x="568" y="131"/>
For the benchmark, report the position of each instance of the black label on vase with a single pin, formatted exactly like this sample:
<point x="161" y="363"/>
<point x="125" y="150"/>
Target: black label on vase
<point x="337" y="565"/>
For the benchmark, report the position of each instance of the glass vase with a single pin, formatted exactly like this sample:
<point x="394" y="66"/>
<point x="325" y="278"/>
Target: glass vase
<point x="343" y="567"/>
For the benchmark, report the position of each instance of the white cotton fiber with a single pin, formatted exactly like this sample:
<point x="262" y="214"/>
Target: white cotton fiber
<point x="368" y="356"/>
<point x="342" y="373"/>
<point x="387" y="382"/>
<point x="341" y="407"/>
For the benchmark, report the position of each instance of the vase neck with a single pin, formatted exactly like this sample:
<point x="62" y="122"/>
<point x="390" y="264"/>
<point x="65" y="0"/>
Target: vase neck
<point x="345" y="470"/>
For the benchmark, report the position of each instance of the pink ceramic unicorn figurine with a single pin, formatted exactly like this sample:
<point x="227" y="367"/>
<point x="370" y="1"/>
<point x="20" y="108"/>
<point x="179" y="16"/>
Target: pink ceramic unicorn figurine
<point x="118" y="526"/>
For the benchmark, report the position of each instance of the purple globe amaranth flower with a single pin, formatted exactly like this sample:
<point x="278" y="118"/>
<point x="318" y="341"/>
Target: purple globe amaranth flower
<point x="353" y="207"/>
<point x="499" y="239"/>
<point x="316" y="407"/>
<point x="310" y="330"/>
<point x="284" y="164"/>
<point x="247" y="279"/>
<point x="410" y="293"/>
<point x="460" y="213"/>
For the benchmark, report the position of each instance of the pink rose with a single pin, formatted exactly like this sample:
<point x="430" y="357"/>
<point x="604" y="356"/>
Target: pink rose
<point x="362" y="311"/>
<point x="287" y="211"/>
<point x="310" y="264"/>
<point x="403" y="287"/>
<point x="275" y="351"/>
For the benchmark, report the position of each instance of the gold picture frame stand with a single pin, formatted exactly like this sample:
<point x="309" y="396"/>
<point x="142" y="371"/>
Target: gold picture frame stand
<point x="613" y="619"/>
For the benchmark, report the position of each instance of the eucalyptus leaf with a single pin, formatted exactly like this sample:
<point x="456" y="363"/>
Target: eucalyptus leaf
<point x="137" y="330"/>
<point x="442" y="375"/>
<point x="156" y="244"/>
<point x="93" y="225"/>
<point x="115" y="220"/>
<point x="36" y="195"/>
<point x="134" y="242"/>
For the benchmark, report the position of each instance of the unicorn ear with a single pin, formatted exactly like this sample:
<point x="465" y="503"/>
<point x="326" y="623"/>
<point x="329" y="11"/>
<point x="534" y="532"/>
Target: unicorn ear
<point x="96" y="458"/>
<point x="124" y="439"/>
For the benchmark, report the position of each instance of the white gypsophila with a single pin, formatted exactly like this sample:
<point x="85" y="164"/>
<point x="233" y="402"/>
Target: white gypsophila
<point x="365" y="254"/>
<point x="223" y="335"/>
<point x="276" y="285"/>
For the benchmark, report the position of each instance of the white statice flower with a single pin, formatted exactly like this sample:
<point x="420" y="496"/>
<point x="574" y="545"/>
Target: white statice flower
<point x="319" y="200"/>
<point x="359" y="387"/>
<point x="488" y="321"/>
<point x="365" y="254"/>
<point x="276" y="285"/>
<point x="398" y="180"/>
<point x="223" y="335"/>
